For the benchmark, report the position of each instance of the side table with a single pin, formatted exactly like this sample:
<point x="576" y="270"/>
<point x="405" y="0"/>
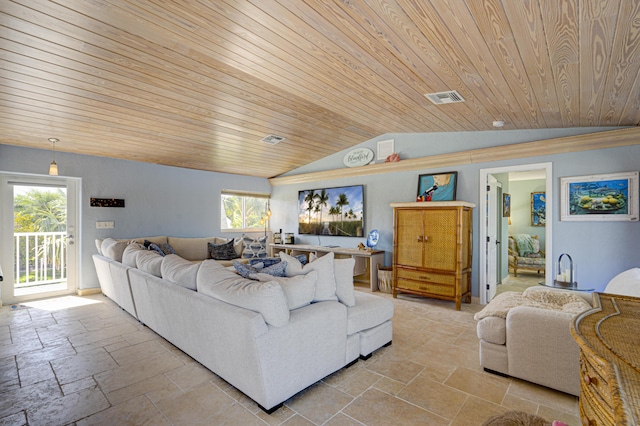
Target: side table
<point x="572" y="288"/>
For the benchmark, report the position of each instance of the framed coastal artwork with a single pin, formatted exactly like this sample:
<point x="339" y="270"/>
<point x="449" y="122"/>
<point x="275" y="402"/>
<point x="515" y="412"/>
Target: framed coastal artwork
<point x="506" y="205"/>
<point x="607" y="197"/>
<point x="538" y="209"/>
<point x="437" y="187"/>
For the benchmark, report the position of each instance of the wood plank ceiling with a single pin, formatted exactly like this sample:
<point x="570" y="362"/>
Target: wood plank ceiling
<point x="197" y="84"/>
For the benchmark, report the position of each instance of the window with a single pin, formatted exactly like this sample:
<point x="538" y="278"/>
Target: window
<point x="243" y="211"/>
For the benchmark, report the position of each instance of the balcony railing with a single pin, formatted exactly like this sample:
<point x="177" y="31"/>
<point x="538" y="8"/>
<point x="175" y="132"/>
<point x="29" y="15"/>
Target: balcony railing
<point x="40" y="258"/>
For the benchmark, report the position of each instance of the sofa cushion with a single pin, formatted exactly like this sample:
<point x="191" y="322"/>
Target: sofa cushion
<point x="492" y="330"/>
<point x="113" y="249"/>
<point x="299" y="290"/>
<point x="343" y="270"/>
<point x="326" y="285"/>
<point x="99" y="245"/>
<point x="266" y="298"/>
<point x="180" y="271"/>
<point x="254" y="247"/>
<point x="155" y="240"/>
<point x="276" y="270"/>
<point x="626" y="283"/>
<point x="368" y="312"/>
<point x="130" y="253"/>
<point x="224" y="251"/>
<point x="150" y="262"/>
<point x="192" y="248"/>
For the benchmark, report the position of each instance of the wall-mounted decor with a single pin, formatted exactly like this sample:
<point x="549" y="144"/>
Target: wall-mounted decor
<point x="106" y="202"/>
<point x="538" y="209"/>
<point x="608" y="197"/>
<point x="385" y="149"/>
<point x="437" y="187"/>
<point x="506" y="205"/>
<point x="332" y="211"/>
<point x="358" y="157"/>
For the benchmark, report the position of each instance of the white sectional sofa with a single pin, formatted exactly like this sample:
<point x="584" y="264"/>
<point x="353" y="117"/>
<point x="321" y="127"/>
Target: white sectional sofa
<point x="271" y="337"/>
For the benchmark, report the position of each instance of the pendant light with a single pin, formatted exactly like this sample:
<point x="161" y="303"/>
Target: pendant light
<point x="53" y="167"/>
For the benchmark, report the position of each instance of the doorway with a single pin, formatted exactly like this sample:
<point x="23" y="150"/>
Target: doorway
<point x="486" y="261"/>
<point x="38" y="233"/>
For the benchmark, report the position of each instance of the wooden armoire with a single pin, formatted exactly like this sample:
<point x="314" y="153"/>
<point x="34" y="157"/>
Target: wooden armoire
<point x="432" y="249"/>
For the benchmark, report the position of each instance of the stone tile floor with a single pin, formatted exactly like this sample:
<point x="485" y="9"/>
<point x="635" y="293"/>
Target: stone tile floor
<point x="84" y="361"/>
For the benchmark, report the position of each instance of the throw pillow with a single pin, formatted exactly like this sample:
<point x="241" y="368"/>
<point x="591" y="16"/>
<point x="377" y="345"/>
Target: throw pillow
<point x="276" y="270"/>
<point x="268" y="261"/>
<point x="224" y="251"/>
<point x="156" y="248"/>
<point x="113" y="249"/>
<point x="299" y="290"/>
<point x="266" y="298"/>
<point x="150" y="262"/>
<point x="326" y="285"/>
<point x="254" y="247"/>
<point x="130" y="253"/>
<point x="179" y="271"/>
<point x="166" y="248"/>
<point x="343" y="269"/>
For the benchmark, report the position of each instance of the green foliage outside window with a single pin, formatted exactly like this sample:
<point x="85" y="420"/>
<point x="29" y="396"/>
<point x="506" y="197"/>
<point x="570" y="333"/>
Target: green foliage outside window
<point x="242" y="212"/>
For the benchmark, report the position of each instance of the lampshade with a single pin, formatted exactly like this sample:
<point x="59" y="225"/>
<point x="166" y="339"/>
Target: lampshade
<point x="53" y="167"/>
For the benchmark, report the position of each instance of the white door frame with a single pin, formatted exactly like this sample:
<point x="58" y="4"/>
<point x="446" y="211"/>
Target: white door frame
<point x="491" y="242"/>
<point x="549" y="213"/>
<point x="73" y="186"/>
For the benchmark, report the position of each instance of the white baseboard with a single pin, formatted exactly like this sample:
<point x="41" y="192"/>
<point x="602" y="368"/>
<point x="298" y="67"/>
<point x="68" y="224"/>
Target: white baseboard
<point x="88" y="291"/>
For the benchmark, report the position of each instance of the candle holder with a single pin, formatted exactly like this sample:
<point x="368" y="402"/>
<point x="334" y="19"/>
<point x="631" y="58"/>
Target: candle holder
<point x="566" y="272"/>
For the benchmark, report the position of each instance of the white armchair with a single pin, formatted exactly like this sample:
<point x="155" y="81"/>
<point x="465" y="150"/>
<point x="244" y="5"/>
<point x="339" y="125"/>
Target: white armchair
<point x="534" y="343"/>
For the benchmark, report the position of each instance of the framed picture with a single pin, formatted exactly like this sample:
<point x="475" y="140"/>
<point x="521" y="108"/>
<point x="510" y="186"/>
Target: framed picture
<point x="608" y="197"/>
<point x="506" y="205"/>
<point x="437" y="187"/>
<point x="538" y="209"/>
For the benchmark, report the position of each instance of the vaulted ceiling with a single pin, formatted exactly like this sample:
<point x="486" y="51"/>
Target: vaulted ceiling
<point x="197" y="84"/>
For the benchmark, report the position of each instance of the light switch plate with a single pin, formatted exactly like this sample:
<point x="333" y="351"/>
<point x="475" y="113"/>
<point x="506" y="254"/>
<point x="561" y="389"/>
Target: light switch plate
<point x="104" y="225"/>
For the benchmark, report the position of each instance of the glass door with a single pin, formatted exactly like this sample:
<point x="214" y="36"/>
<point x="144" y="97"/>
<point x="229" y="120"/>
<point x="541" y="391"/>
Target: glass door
<point x="38" y="251"/>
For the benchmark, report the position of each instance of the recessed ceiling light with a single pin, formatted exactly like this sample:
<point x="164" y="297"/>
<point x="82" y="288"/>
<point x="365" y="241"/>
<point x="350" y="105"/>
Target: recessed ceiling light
<point x="272" y="139"/>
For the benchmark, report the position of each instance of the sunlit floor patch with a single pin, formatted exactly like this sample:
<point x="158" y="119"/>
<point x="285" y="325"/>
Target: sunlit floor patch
<point x="57" y="303"/>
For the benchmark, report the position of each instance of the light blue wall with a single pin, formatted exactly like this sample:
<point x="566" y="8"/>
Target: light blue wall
<point x="601" y="249"/>
<point x="159" y="200"/>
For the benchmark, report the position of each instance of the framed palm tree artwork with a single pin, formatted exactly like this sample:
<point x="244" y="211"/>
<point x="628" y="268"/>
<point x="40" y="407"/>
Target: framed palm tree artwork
<point x="335" y="211"/>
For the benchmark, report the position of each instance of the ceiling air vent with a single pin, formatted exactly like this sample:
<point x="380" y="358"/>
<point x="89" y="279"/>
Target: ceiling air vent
<point x="272" y="139"/>
<point x="449" y="97"/>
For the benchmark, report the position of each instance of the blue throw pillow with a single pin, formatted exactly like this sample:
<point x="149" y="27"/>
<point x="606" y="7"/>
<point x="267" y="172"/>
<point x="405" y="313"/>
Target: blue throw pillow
<point x="156" y="248"/>
<point x="268" y="261"/>
<point x="277" y="269"/>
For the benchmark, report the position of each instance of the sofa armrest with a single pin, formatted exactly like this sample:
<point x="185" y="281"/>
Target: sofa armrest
<point x="541" y="348"/>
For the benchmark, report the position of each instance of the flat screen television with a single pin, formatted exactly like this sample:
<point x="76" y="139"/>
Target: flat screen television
<point x="332" y="211"/>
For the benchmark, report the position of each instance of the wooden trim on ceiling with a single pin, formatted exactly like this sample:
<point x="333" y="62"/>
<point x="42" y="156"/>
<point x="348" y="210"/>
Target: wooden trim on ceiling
<point x="563" y="145"/>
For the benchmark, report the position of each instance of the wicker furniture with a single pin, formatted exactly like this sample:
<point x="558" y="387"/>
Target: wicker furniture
<point x="529" y="262"/>
<point x="609" y="339"/>
<point x="432" y="249"/>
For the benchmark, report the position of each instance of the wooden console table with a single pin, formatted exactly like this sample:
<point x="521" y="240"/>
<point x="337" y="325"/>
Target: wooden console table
<point x="365" y="260"/>
<point x="609" y="341"/>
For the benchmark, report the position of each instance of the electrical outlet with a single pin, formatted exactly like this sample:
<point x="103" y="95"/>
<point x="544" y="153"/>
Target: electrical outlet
<point x="104" y="225"/>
